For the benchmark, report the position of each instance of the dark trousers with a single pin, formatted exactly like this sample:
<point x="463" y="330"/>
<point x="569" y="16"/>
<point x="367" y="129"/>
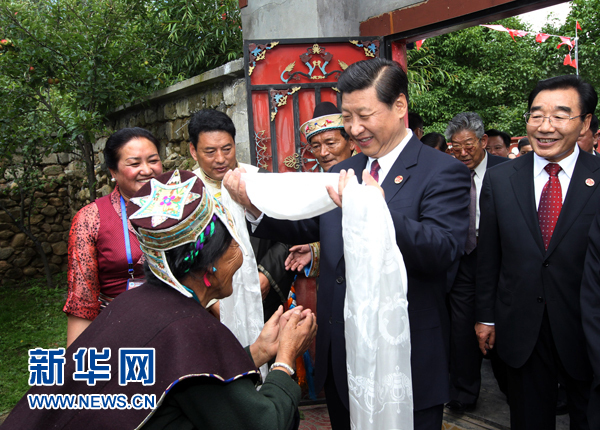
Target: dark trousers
<point x="465" y="356"/>
<point x="533" y="388"/>
<point x="339" y="415"/>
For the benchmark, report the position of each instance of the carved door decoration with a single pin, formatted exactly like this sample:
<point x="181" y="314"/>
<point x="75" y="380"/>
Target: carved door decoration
<point x="285" y="80"/>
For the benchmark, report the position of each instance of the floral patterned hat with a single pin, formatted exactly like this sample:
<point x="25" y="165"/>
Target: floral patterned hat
<point x="171" y="210"/>
<point x="326" y="116"/>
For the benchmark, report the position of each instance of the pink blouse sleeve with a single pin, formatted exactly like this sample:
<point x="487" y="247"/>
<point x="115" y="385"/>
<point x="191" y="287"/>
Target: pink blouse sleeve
<point x="82" y="275"/>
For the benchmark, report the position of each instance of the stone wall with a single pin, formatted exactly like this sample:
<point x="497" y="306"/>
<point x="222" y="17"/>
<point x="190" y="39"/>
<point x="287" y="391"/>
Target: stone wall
<point x="165" y="113"/>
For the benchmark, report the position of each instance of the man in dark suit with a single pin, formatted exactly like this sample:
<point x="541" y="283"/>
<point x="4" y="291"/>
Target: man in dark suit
<point x="427" y="194"/>
<point x="590" y="315"/>
<point x="465" y="132"/>
<point x="536" y="212"/>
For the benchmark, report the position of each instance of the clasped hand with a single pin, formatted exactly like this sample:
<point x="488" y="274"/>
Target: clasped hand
<point x="286" y="335"/>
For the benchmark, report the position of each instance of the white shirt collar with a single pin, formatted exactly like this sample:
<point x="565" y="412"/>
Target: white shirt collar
<point x="481" y="167"/>
<point x="387" y="161"/>
<point x="567" y="164"/>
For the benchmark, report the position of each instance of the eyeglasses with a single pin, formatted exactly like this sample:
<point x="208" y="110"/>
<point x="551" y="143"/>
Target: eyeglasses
<point x="536" y="119"/>
<point x="468" y="145"/>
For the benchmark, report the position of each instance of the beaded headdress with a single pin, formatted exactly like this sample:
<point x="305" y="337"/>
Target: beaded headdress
<point x="326" y="116"/>
<point x="171" y="210"/>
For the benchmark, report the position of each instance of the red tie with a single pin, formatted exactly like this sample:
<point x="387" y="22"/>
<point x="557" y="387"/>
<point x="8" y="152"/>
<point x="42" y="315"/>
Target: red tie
<point x="550" y="203"/>
<point x="375" y="170"/>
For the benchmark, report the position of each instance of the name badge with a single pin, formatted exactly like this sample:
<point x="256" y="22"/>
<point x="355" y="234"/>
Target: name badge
<point x="134" y="283"/>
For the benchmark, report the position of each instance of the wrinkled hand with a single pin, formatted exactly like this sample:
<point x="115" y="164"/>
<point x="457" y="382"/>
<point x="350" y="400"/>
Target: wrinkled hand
<point x="345" y="177"/>
<point x="237" y="189"/>
<point x="300" y="257"/>
<point x="265" y="347"/>
<point x="296" y="336"/>
<point x="265" y="285"/>
<point x="486" y="335"/>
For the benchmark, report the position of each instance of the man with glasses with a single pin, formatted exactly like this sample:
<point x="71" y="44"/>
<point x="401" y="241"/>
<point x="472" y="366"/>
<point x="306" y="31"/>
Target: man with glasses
<point x="465" y="132"/>
<point x="535" y="216"/>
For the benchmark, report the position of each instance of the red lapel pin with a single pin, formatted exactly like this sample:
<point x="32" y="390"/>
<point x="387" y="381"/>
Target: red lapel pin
<point x="589" y="182"/>
<point x="398" y="179"/>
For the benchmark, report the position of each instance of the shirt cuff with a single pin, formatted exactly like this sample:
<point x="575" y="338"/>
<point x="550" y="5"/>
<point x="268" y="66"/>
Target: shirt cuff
<point x="253" y="220"/>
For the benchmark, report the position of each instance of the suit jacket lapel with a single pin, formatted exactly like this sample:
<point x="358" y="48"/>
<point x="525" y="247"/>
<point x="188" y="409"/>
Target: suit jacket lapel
<point x="522" y="184"/>
<point x="577" y="197"/>
<point x="407" y="158"/>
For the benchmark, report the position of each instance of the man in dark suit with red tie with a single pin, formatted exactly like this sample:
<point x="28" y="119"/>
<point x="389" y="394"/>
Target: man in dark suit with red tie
<point x="536" y="212"/>
<point x="466" y="134"/>
<point x="427" y="194"/>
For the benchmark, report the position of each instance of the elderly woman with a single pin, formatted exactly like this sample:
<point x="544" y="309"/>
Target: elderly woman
<point x="104" y="253"/>
<point x="202" y="377"/>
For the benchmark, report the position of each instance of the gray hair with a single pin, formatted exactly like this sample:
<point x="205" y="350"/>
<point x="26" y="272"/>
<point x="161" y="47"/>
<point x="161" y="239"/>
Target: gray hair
<point x="465" y="121"/>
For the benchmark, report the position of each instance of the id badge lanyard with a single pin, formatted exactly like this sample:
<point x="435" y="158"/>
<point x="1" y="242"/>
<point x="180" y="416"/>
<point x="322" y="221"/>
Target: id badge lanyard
<point x="132" y="282"/>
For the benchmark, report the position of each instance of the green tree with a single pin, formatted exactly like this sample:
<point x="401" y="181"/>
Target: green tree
<point x="490" y="74"/>
<point x="75" y="61"/>
<point x="201" y="35"/>
<point x="22" y="132"/>
<point x="587" y="12"/>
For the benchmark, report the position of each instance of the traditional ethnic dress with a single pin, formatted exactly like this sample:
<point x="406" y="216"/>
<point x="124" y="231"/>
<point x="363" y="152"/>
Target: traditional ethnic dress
<point x="98" y="267"/>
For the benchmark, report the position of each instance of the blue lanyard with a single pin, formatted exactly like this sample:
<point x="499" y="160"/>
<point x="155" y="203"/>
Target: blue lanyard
<point x="126" y="234"/>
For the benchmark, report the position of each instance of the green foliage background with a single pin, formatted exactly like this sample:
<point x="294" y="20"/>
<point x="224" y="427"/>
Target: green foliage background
<point x="489" y="73"/>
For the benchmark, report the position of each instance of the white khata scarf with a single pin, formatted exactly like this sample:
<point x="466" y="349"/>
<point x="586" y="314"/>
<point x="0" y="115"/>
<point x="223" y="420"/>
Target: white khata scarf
<point x="376" y="309"/>
<point x="242" y="312"/>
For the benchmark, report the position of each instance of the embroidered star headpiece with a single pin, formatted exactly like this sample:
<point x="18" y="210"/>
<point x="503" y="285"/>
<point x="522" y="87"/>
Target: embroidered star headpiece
<point x="165" y="200"/>
<point x="170" y="211"/>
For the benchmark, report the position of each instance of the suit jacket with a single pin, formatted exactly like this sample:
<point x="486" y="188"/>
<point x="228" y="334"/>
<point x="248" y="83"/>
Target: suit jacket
<point x="429" y="208"/>
<point x="590" y="316"/>
<point x="517" y="278"/>
<point x="492" y="160"/>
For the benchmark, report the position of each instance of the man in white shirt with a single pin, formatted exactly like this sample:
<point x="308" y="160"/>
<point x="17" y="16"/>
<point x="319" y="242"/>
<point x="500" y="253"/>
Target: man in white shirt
<point x="465" y="133"/>
<point x="536" y="212"/>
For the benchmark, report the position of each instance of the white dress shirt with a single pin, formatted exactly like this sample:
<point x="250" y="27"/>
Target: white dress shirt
<point x="387" y="161"/>
<point x="478" y="179"/>
<point x="540" y="176"/>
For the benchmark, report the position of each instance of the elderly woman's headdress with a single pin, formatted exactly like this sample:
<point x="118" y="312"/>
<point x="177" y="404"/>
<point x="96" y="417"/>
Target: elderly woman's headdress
<point x="171" y="210"/>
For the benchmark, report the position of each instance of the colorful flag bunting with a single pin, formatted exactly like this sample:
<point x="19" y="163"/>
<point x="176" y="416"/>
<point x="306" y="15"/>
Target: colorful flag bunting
<point x="541" y="37"/>
<point x="578" y="26"/>
<point x="567" y="61"/>
<point x="565" y="41"/>
<point x="419" y="43"/>
<point x="518" y="33"/>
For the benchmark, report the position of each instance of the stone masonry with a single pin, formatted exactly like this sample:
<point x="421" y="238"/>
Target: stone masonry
<point x="166" y="114"/>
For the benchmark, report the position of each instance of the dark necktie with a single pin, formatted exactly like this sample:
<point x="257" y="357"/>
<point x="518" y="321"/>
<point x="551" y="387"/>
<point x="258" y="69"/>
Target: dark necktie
<point x="550" y="203"/>
<point x="472" y="236"/>
<point x="375" y="170"/>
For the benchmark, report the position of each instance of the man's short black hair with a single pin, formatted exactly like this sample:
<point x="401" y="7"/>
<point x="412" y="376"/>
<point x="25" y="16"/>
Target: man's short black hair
<point x="492" y="132"/>
<point x="524" y="142"/>
<point x="594" y="124"/>
<point x="386" y="76"/>
<point x="588" y="99"/>
<point x="435" y="140"/>
<point x="415" y="121"/>
<point x="207" y="120"/>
